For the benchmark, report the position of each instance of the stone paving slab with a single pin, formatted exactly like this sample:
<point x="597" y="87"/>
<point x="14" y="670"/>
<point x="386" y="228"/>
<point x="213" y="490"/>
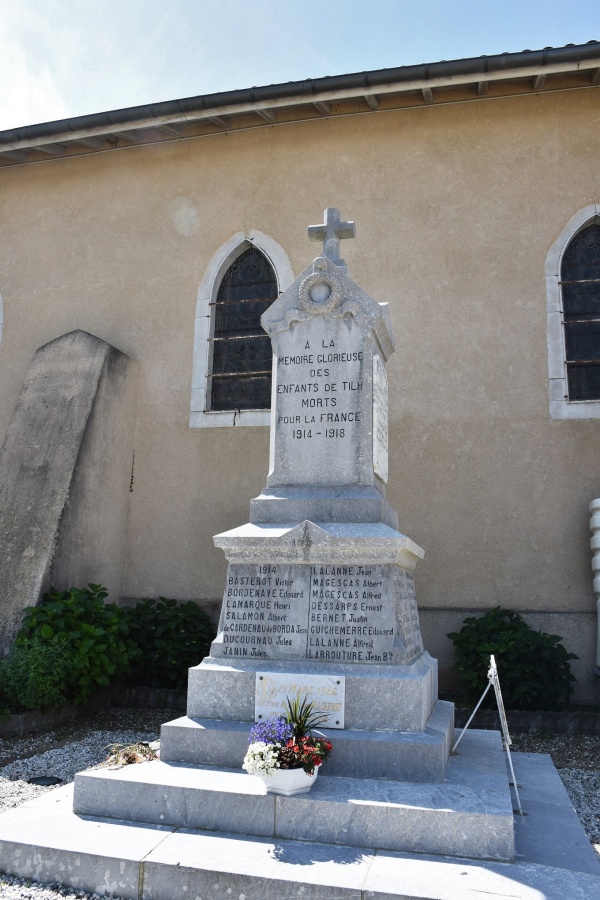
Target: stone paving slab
<point x="159" y="864"/>
<point x="259" y="869"/>
<point x="562" y="841"/>
<point x="44" y="840"/>
<point x="402" y="877"/>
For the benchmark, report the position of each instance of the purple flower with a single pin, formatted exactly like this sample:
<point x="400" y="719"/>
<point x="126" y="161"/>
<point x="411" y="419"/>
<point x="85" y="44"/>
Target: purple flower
<point x="271" y="731"/>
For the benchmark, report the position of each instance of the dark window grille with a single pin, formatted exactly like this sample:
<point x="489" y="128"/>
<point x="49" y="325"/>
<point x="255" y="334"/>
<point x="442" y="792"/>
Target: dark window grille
<point x="241" y="351"/>
<point x="580" y="283"/>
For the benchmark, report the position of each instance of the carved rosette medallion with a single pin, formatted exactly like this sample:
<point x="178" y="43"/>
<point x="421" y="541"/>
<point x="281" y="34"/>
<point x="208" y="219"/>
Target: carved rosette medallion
<point x="322" y="292"/>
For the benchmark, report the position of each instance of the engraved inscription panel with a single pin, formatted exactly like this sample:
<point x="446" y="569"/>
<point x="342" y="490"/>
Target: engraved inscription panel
<point x="322" y="405"/>
<point x="407" y="613"/>
<point x="352" y="616"/>
<point x="326" y="613"/>
<point x="380" y="419"/>
<point x="327" y="692"/>
<point x="264" y="613"/>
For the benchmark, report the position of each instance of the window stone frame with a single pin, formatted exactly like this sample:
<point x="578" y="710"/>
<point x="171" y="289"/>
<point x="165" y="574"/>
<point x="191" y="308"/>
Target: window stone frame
<point x="560" y="406"/>
<point x="200" y="414"/>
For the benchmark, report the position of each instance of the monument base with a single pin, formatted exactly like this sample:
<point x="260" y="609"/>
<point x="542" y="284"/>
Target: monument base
<point x="379" y="698"/>
<point x="44" y="840"/>
<point x="417" y="757"/>
<point x="470" y="813"/>
<point x="394" y="725"/>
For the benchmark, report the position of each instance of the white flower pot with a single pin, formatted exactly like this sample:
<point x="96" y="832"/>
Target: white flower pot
<point x="289" y="781"/>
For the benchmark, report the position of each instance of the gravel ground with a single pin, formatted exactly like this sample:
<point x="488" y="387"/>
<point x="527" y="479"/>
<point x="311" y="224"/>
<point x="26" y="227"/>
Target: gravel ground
<point x="63" y="752"/>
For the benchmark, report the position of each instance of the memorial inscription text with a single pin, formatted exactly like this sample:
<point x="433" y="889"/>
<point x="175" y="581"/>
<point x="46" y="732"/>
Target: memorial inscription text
<point x="315" y="391"/>
<point x="328" y="613"/>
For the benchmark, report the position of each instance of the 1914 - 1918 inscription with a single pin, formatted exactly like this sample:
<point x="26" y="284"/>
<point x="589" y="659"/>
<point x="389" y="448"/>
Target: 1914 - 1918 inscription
<point x="322" y="409"/>
<point x="316" y="388"/>
<point x="329" y="613"/>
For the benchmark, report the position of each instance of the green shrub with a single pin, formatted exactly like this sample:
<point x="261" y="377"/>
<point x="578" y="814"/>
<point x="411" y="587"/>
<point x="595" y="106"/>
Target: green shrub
<point x="96" y="633"/>
<point x="35" y="674"/>
<point x="534" y="667"/>
<point x="171" y="637"/>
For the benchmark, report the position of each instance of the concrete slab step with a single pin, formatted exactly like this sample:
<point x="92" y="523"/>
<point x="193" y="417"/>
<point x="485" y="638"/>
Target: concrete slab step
<point x="402" y="756"/>
<point x="469" y="814"/>
<point x="45" y="841"/>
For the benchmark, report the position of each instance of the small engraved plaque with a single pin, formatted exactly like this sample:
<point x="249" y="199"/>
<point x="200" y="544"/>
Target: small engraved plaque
<point x="380" y="419"/>
<point x="326" y="691"/>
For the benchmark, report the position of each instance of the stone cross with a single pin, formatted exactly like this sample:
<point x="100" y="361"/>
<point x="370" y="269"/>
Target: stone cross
<point x="330" y="232"/>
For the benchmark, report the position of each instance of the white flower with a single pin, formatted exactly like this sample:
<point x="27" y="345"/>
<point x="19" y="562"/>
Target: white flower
<point x="261" y="758"/>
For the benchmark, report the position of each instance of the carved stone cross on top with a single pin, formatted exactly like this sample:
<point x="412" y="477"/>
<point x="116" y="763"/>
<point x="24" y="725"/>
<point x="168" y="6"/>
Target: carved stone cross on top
<point x="331" y="232"/>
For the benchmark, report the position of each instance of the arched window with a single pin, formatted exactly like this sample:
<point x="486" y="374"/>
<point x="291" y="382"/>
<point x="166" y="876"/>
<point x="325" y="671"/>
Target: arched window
<point x="573" y="310"/>
<point x="232" y="354"/>
<point x="580" y="289"/>
<point x="241" y="351"/>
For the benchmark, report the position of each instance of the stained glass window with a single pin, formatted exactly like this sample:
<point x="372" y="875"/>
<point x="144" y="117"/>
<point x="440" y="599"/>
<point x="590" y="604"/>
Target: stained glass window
<point x="241" y="351"/>
<point x="580" y="283"/>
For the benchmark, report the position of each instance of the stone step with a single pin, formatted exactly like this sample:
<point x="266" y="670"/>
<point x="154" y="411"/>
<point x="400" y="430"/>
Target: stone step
<point x="401" y="756"/>
<point x="377" y="697"/>
<point x="44" y="840"/>
<point x="469" y="814"/>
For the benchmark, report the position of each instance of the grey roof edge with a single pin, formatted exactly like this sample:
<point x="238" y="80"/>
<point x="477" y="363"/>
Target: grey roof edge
<point x="478" y="67"/>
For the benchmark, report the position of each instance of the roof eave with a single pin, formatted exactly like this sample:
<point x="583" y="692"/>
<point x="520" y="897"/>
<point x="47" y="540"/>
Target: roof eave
<point x="167" y="121"/>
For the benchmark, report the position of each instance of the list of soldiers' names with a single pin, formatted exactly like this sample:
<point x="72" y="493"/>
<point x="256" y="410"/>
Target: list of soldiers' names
<point x="327" y="613"/>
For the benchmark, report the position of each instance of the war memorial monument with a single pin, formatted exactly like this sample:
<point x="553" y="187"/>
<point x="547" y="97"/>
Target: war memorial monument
<point x="319" y="600"/>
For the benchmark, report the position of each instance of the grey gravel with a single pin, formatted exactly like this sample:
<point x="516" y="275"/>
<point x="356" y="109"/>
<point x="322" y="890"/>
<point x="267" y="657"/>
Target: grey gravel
<point x="62" y="754"/>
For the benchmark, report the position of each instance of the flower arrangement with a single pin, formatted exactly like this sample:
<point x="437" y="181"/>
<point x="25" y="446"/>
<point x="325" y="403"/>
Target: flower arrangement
<point x="287" y="742"/>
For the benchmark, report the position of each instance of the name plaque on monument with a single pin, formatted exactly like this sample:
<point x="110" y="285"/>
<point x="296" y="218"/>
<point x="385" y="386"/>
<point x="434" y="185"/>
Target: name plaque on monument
<point x="265" y="612"/>
<point x="327" y="692"/>
<point x="408" y="614"/>
<point x="349" y="620"/>
<point x="328" y="613"/>
<point x="380" y="419"/>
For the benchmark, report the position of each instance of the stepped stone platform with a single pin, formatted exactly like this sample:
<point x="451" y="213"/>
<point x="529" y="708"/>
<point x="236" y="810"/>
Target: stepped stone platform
<point x="358" y="754"/>
<point x="395" y="727"/>
<point x="470" y="813"/>
<point x="46" y="841"/>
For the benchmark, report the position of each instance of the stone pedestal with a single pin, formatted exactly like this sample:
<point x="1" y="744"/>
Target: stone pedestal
<point x="320" y="581"/>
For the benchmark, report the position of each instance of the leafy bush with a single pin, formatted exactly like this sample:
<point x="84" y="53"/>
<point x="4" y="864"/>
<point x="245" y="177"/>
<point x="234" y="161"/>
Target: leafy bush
<point x="534" y="667"/>
<point x="35" y="674"/>
<point x="96" y="634"/>
<point x="171" y="637"/>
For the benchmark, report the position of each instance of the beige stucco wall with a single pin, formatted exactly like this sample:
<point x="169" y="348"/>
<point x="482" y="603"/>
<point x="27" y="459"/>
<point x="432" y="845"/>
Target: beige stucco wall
<point x="456" y="208"/>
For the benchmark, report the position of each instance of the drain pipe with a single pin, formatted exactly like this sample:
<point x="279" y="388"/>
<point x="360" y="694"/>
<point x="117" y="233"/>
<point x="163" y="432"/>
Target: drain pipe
<point x="595" y="545"/>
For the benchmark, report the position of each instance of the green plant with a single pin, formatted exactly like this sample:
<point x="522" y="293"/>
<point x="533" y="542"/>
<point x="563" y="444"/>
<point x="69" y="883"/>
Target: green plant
<point x="35" y="674"/>
<point x="534" y="667"/>
<point x="96" y="634"/>
<point x="171" y="637"/>
<point x="302" y="716"/>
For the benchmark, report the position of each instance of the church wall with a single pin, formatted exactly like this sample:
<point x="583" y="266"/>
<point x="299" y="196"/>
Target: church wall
<point x="456" y="208"/>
